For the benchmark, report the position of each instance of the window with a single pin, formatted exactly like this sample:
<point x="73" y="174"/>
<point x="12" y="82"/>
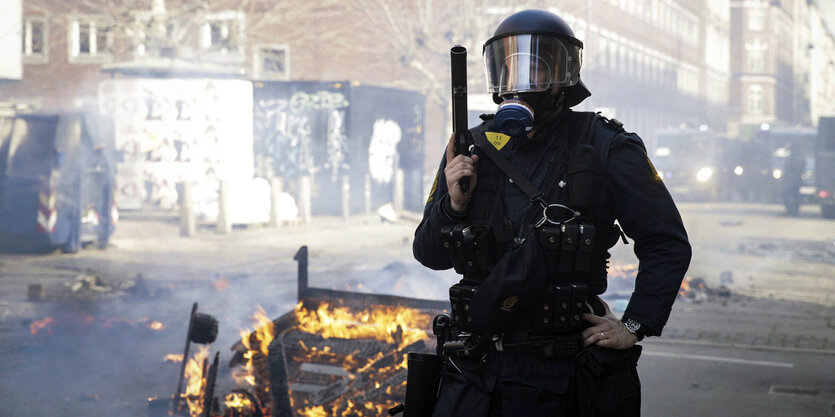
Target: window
<point x="35" y="37"/>
<point x="756" y="20"/>
<point x="272" y="62"/>
<point x="755" y="99"/>
<point x="654" y="12"/>
<point x="756" y="61"/>
<point x="756" y="55"/>
<point x="91" y="39"/>
<point x="223" y="34"/>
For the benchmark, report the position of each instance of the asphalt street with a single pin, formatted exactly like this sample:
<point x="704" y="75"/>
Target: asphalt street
<point x="757" y="340"/>
<point x="683" y="379"/>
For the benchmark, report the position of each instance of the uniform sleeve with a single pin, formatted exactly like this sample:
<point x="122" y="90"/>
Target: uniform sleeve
<point x="648" y="215"/>
<point x="437" y="213"/>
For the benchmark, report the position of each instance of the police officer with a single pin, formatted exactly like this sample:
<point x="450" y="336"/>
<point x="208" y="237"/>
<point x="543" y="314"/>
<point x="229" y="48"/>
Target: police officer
<point x="503" y="236"/>
<point x="792" y="179"/>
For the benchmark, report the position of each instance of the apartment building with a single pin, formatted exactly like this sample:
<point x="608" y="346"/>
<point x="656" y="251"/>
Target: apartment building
<point x="657" y="64"/>
<point x="653" y="64"/>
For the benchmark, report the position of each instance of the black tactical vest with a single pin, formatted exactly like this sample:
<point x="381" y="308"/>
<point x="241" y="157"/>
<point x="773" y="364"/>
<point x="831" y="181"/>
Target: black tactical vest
<point x="577" y="250"/>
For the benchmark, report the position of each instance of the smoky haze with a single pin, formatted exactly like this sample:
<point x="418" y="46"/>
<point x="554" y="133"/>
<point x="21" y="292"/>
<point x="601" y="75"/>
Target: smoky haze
<point x="229" y="135"/>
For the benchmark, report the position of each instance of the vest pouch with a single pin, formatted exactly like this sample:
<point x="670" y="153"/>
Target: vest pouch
<point x="570" y="233"/>
<point x="515" y="286"/>
<point x="458" y="241"/>
<point x="585" y="245"/>
<point x="550" y="238"/>
<point x="579" y="295"/>
<point x="562" y="308"/>
<point x="582" y="170"/>
<point x="460" y="298"/>
<point x="449" y="244"/>
<point x="556" y="309"/>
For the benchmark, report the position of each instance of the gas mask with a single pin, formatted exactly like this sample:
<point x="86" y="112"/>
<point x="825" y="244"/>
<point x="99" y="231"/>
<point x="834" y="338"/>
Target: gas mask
<point x="515" y="116"/>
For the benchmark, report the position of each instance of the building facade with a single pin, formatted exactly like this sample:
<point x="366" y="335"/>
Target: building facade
<point x="763" y="63"/>
<point x="653" y="64"/>
<point x="820" y="51"/>
<point x="657" y="64"/>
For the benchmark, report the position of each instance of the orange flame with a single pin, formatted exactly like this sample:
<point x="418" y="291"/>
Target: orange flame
<point x="173" y="357"/>
<point x="195" y="382"/>
<point x="317" y="411"/>
<point x="685" y="287"/>
<point x="39" y="325"/>
<point x="625" y="271"/>
<point x="237" y="401"/>
<point x="263" y="334"/>
<point x="221" y="284"/>
<point x="155" y="325"/>
<point x="396" y="325"/>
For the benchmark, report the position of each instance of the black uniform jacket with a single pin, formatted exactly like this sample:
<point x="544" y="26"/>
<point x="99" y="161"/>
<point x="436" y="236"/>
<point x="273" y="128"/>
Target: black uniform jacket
<point x="634" y="195"/>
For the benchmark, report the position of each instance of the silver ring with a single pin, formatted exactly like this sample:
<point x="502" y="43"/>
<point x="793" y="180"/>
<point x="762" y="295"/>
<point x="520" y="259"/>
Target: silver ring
<point x="573" y="212"/>
<point x="603" y="335"/>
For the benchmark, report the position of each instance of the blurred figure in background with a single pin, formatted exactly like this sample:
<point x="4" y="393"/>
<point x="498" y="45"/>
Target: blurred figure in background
<point x="792" y="179"/>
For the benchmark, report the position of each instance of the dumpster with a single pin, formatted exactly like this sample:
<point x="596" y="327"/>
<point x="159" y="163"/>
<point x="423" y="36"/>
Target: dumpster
<point x="56" y="182"/>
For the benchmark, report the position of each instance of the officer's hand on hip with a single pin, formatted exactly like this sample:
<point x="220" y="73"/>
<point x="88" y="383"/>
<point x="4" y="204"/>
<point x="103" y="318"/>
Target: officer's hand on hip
<point x="607" y="331"/>
<point x="457" y="167"/>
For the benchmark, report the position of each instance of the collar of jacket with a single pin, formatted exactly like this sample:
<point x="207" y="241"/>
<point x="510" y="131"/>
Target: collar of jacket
<point x="547" y="129"/>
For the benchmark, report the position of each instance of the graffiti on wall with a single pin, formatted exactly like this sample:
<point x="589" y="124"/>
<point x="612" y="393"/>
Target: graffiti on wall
<point x="382" y="150"/>
<point x="285" y="130"/>
<point x="337" y="144"/>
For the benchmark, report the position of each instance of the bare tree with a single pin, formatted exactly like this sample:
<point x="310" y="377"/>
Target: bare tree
<point x="421" y="32"/>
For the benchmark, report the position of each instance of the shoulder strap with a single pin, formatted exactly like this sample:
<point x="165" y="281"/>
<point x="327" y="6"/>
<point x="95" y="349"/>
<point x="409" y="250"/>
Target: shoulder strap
<point x="509" y="169"/>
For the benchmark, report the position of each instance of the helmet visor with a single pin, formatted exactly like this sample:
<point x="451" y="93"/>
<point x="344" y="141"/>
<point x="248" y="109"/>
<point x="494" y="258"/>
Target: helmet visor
<point x="530" y="62"/>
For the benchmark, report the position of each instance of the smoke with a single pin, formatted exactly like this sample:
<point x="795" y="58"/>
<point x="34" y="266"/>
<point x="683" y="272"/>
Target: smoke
<point x="99" y="358"/>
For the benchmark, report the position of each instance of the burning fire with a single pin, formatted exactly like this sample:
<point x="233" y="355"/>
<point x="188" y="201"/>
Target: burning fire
<point x="395" y="325"/>
<point x="626" y="271"/>
<point x="693" y="289"/>
<point x="685" y="287"/>
<point x="238" y="401"/>
<point x="156" y="326"/>
<point x="195" y="379"/>
<point x="39" y="325"/>
<point x="79" y="322"/>
<point x="257" y="343"/>
<point x="378" y="376"/>
<point x="221" y="284"/>
<point x="173" y="357"/>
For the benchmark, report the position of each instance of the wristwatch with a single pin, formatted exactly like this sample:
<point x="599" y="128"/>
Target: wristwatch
<point x="635" y="328"/>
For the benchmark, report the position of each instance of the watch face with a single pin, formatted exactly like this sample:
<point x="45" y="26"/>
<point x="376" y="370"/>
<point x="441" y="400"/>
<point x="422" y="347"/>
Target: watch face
<point x="632" y="325"/>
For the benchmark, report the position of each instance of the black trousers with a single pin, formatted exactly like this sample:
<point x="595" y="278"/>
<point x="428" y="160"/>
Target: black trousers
<point x="472" y="394"/>
<point x="599" y="382"/>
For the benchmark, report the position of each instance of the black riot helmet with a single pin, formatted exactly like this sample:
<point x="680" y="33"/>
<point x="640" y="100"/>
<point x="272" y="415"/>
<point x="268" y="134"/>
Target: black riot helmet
<point x="534" y="51"/>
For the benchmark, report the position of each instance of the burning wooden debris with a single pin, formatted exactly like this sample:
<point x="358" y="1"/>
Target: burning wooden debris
<point x="320" y="359"/>
<point x="326" y="359"/>
<point x="335" y="354"/>
<point x="195" y="390"/>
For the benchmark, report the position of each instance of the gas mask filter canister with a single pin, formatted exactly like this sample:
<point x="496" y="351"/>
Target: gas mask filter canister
<point x="514" y="117"/>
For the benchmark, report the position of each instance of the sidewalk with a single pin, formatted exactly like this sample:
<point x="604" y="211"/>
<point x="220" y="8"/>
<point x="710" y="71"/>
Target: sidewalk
<point x="152" y="246"/>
